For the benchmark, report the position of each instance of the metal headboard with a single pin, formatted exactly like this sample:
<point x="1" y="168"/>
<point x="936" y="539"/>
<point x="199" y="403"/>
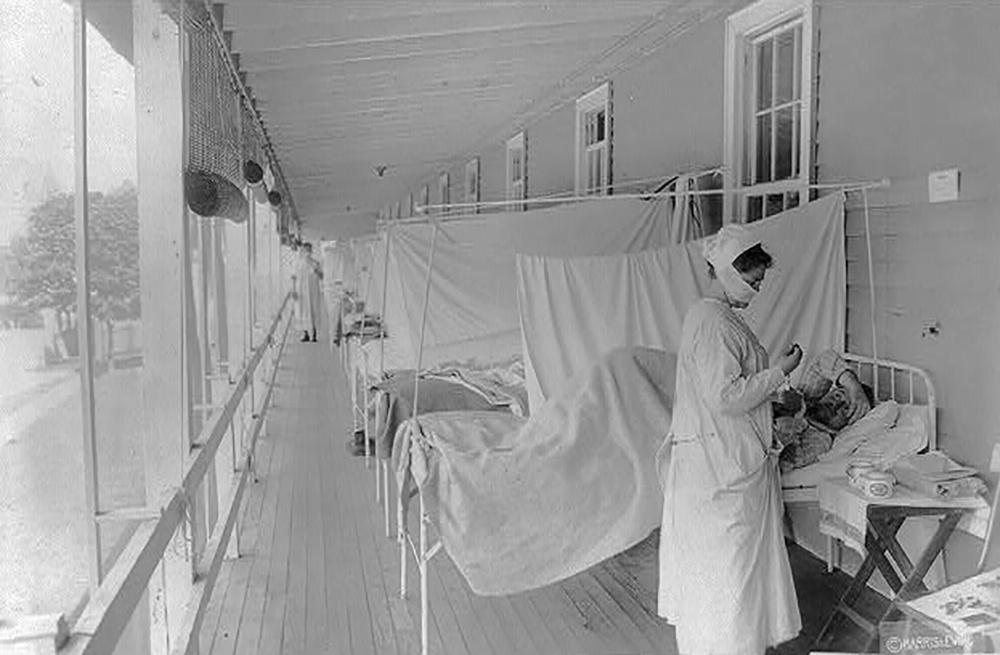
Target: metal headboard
<point x="900" y="382"/>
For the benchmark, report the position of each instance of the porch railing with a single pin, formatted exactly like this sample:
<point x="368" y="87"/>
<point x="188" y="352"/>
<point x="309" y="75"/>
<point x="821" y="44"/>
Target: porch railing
<point x="108" y="612"/>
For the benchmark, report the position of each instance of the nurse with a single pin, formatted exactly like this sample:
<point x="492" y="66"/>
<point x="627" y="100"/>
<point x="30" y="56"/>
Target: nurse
<point x="310" y="273"/>
<point x="725" y="581"/>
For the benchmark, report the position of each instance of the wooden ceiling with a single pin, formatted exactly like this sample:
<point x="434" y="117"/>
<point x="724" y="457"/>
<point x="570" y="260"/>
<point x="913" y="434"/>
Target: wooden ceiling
<point x="345" y="87"/>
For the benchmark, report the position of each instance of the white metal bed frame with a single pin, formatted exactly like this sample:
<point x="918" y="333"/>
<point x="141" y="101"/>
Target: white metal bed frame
<point x="889" y="380"/>
<point x="361" y="408"/>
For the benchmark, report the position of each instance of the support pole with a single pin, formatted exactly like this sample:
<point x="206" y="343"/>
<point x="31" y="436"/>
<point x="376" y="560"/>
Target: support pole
<point x="85" y="339"/>
<point x="423" y="322"/>
<point x="423" y="576"/>
<point x="378" y="469"/>
<point x="871" y="281"/>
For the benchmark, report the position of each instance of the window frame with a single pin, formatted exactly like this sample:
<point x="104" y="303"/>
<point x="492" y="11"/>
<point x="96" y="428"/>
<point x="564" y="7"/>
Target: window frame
<point x="742" y="29"/>
<point x="517" y="187"/>
<point x="425" y="197"/>
<point x="593" y="101"/>
<point x="444" y="192"/>
<point x="472" y="194"/>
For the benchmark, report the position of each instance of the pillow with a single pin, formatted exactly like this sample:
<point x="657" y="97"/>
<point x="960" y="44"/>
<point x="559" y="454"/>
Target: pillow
<point x="874" y="423"/>
<point x="908" y="436"/>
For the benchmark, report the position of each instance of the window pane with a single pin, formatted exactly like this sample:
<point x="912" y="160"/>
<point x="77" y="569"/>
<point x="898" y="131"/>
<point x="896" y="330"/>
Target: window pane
<point x="791" y="199"/>
<point x="600" y="126"/>
<point x="764" y="74"/>
<point x="796" y="140"/>
<point x="775" y="204"/>
<point x="43" y="519"/>
<point x="784" y="143"/>
<point x="763" y="170"/>
<point x="785" y="82"/>
<point x="748" y="154"/>
<point x="754" y="208"/>
<point x="798" y="63"/>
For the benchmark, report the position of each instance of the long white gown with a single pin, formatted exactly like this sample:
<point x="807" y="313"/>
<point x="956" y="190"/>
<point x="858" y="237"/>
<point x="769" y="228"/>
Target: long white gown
<point x="725" y="581"/>
<point x="310" y="296"/>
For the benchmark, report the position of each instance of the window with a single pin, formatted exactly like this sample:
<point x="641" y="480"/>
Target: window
<point x="593" y="141"/>
<point x="768" y="107"/>
<point x="472" y="183"/>
<point x="445" y="193"/>
<point x="517" y="170"/>
<point x="425" y="197"/>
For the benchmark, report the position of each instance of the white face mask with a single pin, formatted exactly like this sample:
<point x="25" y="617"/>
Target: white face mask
<point x="734" y="285"/>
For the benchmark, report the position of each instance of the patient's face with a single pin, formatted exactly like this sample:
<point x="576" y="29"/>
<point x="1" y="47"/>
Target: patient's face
<point x="834" y="409"/>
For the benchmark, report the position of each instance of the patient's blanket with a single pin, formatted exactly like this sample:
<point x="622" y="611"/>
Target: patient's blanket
<point x="520" y="504"/>
<point x="438" y="393"/>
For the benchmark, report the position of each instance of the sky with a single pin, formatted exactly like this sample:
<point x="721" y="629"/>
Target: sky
<point x="36" y="109"/>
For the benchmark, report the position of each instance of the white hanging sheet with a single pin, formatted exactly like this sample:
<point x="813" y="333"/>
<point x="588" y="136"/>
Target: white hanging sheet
<point x="573" y="310"/>
<point x="472" y="312"/>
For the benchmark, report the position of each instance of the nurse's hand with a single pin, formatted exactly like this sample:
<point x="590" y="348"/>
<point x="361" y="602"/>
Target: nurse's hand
<point x="790" y="359"/>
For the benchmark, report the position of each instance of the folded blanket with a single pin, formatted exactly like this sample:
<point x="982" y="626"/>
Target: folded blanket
<point x="487" y="385"/>
<point x="520" y="504"/>
<point x="437" y="394"/>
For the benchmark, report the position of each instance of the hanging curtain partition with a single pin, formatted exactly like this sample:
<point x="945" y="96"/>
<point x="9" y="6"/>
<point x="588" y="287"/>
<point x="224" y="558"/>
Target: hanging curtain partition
<point x="575" y="309"/>
<point x="472" y="313"/>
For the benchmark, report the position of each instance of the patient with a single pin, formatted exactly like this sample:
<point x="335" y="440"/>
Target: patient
<point x="828" y="398"/>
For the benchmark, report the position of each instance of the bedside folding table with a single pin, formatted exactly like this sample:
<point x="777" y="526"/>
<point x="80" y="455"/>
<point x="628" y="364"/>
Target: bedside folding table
<point x="848" y="514"/>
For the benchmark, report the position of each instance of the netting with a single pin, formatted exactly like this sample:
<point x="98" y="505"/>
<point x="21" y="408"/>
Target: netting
<point x="222" y="129"/>
<point x="214" y="107"/>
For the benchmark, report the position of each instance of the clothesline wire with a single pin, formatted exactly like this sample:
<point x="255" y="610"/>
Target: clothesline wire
<point x="844" y="187"/>
<point x="554" y="198"/>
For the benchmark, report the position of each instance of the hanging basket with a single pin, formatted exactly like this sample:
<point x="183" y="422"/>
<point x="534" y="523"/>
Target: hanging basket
<point x="209" y="194"/>
<point x="254" y="176"/>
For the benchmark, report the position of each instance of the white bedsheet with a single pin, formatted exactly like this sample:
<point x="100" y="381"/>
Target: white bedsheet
<point x="523" y="503"/>
<point x="888" y="433"/>
<point x="574" y="308"/>
<point x="472" y="307"/>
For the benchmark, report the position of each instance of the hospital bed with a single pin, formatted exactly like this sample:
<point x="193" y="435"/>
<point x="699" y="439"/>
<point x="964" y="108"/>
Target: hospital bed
<point x="913" y="429"/>
<point x="382" y="393"/>
<point x="520" y="503"/>
<point x="460" y="438"/>
<point x="907" y="385"/>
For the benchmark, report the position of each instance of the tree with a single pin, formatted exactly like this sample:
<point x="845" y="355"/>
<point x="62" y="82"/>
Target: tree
<point x="45" y="257"/>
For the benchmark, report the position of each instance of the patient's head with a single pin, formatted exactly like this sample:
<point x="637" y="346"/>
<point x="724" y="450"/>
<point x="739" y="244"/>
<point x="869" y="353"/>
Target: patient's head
<point x="835" y="409"/>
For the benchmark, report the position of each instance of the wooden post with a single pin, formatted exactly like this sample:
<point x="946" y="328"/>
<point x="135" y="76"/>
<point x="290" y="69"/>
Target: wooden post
<point x="163" y="238"/>
<point x="234" y="262"/>
<point x="85" y="338"/>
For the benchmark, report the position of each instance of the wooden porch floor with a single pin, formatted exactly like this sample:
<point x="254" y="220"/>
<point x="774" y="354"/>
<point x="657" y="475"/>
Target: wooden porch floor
<point x="317" y="574"/>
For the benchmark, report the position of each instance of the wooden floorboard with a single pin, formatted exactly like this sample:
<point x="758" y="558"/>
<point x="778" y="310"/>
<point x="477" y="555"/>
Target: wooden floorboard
<point x="233" y="591"/>
<point x="333" y="538"/>
<point x="294" y="634"/>
<point x="318" y="575"/>
<point x="272" y="623"/>
<point x="260" y="540"/>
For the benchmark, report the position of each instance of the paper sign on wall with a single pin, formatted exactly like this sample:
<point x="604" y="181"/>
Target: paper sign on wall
<point x="942" y="186"/>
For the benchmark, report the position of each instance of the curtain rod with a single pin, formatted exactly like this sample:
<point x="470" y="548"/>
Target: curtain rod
<point x="845" y="187"/>
<point x="560" y="196"/>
